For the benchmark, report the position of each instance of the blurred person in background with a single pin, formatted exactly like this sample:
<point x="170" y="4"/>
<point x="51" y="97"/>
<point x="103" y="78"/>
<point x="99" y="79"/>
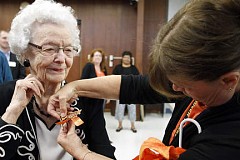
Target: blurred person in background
<point x="96" y="67"/>
<point x="125" y="68"/>
<point x="18" y="71"/>
<point x="5" y="72"/>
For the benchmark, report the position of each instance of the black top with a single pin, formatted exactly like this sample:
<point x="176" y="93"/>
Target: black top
<point x="18" y="71"/>
<point x="89" y="71"/>
<point x="220" y="136"/>
<point x="17" y="142"/>
<point x="120" y="70"/>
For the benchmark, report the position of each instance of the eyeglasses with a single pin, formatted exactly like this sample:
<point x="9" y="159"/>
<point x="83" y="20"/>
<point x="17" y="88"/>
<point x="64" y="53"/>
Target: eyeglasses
<point x="49" y="50"/>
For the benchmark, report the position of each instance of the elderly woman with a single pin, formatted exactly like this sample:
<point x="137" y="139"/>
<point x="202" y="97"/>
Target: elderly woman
<point x="45" y="37"/>
<point x="196" y="57"/>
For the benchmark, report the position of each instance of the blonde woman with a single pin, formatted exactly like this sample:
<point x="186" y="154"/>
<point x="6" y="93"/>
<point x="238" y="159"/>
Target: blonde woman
<point x="95" y="68"/>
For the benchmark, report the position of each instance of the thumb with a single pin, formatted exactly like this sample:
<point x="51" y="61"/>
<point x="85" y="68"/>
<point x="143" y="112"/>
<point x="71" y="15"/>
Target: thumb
<point x="63" y="106"/>
<point x="71" y="127"/>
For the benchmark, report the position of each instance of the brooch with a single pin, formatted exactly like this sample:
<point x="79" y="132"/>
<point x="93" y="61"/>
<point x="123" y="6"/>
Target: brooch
<point x="71" y="116"/>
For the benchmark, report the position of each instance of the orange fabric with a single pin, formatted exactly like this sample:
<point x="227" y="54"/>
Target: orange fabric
<point x="62" y="122"/>
<point x="71" y="116"/>
<point x="100" y="74"/>
<point x="195" y="111"/>
<point x="77" y="121"/>
<point x="154" y="149"/>
<point x="180" y="120"/>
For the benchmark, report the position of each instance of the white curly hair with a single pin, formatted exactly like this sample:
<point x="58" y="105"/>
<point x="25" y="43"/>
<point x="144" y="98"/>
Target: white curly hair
<point x="41" y="11"/>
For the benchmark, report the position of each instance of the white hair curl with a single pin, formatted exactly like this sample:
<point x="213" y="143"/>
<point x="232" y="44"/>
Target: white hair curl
<point x="42" y="11"/>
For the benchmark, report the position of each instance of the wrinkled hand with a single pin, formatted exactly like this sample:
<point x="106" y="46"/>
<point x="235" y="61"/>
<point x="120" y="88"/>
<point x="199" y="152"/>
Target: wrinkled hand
<point x="70" y="141"/>
<point x="25" y="89"/>
<point x="23" y="92"/>
<point x="59" y="103"/>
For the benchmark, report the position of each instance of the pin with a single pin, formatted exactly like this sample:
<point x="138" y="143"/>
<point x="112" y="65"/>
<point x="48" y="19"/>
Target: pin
<point x="71" y="116"/>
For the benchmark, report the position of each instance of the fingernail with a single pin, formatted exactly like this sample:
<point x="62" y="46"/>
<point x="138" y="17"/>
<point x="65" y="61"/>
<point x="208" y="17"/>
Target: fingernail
<point x="62" y="114"/>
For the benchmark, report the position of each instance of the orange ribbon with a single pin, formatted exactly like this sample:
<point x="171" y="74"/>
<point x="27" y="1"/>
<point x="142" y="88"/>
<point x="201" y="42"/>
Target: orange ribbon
<point x="71" y="116"/>
<point x="154" y="149"/>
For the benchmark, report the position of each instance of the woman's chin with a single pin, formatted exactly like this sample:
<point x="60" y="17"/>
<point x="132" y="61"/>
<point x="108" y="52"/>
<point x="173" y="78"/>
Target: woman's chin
<point x="56" y="78"/>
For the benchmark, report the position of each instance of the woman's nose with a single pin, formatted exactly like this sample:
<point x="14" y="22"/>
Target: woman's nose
<point x="60" y="56"/>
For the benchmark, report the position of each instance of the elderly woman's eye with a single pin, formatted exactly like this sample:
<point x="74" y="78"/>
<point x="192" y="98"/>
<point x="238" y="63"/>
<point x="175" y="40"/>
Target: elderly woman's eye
<point x="49" y="49"/>
<point x="68" y="49"/>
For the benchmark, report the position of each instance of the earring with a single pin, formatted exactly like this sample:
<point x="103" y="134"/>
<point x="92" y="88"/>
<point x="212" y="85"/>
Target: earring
<point x="230" y="89"/>
<point x="26" y="63"/>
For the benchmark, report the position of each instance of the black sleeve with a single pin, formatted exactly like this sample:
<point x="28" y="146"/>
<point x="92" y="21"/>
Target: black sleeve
<point x="11" y="135"/>
<point x="96" y="133"/>
<point x="137" y="90"/>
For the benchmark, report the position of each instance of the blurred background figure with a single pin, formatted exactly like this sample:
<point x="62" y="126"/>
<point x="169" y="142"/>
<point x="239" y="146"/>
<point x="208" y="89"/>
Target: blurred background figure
<point x="17" y="70"/>
<point x="96" y="67"/>
<point x="5" y="72"/>
<point x="125" y="68"/>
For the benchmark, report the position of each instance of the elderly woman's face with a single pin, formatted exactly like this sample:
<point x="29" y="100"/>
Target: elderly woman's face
<point x="54" y="67"/>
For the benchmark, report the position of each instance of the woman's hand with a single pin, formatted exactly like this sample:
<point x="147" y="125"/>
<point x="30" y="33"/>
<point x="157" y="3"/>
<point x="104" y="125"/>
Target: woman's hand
<point x="59" y="103"/>
<point x="23" y="92"/>
<point x="69" y="140"/>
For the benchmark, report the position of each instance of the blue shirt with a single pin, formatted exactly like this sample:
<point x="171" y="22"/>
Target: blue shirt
<point x="5" y="72"/>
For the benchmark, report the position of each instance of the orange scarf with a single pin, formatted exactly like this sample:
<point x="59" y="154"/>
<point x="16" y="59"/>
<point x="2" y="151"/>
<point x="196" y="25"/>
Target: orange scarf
<point x="192" y="111"/>
<point x="154" y="149"/>
<point x="100" y="73"/>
